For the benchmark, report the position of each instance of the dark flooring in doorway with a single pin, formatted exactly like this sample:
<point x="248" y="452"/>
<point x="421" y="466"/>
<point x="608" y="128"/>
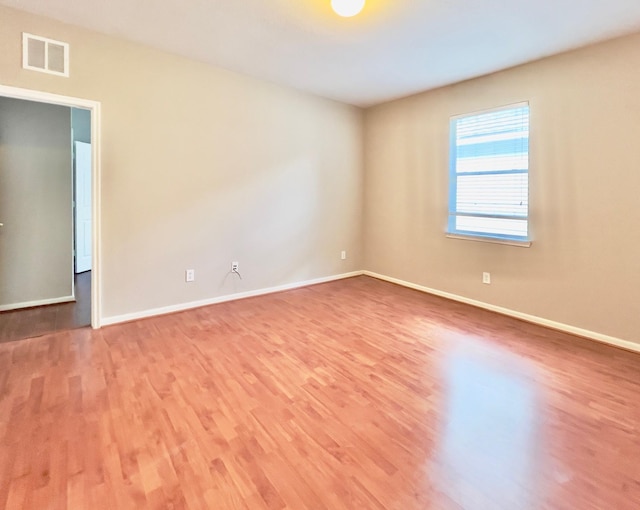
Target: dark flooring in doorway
<point x="41" y="320"/>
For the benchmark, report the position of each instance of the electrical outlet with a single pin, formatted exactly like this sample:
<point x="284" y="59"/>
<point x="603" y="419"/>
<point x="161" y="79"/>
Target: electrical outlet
<point x="190" y="275"/>
<point x="234" y="266"/>
<point x="343" y="255"/>
<point x="486" y="278"/>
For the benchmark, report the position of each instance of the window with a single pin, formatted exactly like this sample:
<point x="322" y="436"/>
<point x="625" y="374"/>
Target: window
<point x="489" y="175"/>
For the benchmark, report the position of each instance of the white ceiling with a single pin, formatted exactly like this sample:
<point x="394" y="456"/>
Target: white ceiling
<point x="393" y="49"/>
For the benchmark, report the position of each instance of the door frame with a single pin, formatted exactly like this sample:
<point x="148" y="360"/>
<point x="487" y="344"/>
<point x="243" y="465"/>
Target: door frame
<point x="94" y="107"/>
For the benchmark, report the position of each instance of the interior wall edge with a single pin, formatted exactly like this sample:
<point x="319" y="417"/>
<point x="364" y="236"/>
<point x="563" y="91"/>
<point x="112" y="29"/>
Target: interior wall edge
<point x="565" y="328"/>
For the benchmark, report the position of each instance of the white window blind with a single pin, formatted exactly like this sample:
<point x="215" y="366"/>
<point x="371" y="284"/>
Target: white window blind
<point x="489" y="174"/>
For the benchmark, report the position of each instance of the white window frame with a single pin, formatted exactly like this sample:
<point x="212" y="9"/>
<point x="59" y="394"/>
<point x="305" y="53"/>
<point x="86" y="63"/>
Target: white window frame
<point x="488" y="236"/>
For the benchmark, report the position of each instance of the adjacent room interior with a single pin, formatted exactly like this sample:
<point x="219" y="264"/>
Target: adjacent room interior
<point x="46" y="211"/>
<point x="285" y="256"/>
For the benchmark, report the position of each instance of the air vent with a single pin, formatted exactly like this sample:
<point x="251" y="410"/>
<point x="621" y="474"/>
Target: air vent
<point x="45" y="55"/>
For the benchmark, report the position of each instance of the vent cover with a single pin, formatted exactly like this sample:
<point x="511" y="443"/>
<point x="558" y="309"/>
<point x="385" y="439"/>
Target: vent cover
<point x="45" y="55"/>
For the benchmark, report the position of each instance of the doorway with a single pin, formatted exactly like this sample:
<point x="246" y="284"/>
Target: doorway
<point x="31" y="278"/>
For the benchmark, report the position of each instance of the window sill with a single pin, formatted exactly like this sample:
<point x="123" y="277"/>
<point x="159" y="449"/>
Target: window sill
<point x="494" y="240"/>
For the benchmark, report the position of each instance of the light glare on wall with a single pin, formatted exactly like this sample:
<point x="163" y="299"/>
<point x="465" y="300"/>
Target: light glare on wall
<point x="347" y="8"/>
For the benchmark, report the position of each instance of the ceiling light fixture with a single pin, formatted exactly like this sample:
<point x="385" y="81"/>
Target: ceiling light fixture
<point x="347" y="8"/>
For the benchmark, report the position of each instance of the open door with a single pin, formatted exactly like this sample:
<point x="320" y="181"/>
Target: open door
<point x="82" y="206"/>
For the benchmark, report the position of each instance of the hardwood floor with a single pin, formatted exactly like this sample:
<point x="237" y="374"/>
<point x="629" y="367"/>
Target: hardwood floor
<point x="355" y="394"/>
<point x="41" y="320"/>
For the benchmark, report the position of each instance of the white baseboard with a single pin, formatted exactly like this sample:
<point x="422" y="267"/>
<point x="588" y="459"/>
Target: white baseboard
<point x="106" y="321"/>
<point x="591" y="335"/>
<point x="40" y="302"/>
<point x="585" y="333"/>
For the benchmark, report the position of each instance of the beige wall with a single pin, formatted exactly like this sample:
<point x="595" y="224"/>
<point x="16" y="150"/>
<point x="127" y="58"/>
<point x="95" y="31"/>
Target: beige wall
<point x="583" y="268"/>
<point x="35" y="203"/>
<point x="201" y="167"/>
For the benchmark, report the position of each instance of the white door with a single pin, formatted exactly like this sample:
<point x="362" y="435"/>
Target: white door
<point x="83" y="206"/>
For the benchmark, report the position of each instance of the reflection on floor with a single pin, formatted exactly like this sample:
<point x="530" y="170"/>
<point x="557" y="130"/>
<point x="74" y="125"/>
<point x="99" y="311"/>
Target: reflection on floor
<point x="40" y="320"/>
<point x="351" y="395"/>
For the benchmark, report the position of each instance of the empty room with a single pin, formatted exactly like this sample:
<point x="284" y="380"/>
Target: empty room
<point x="320" y="254"/>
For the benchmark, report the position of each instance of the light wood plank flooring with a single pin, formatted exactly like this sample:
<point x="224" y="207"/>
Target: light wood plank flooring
<point x="355" y="394"/>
